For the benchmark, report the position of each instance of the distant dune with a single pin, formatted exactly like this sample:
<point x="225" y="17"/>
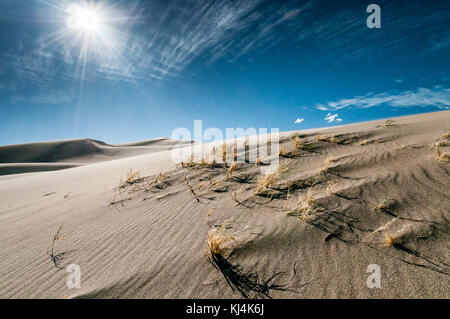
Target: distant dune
<point x="47" y="156"/>
<point x="140" y="226"/>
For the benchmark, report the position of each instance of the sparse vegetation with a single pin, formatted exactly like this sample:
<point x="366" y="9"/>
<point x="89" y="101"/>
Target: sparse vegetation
<point x="231" y="169"/>
<point x="161" y="178"/>
<point x="325" y="168"/>
<point x="265" y="182"/>
<point x="57" y="257"/>
<point x="220" y="246"/>
<point x="224" y="153"/>
<point x="320" y="138"/>
<point x="132" y="178"/>
<point x="299" y="144"/>
<point x="305" y="207"/>
<point x="342" y="139"/>
<point x="441" y="143"/>
<point x="284" y="153"/>
<point x="366" y="141"/>
<point x="202" y="164"/>
<point x="217" y="241"/>
<point x="387" y="206"/>
<point x="389" y="123"/>
<point x="389" y="240"/>
<point x="191" y="189"/>
<point x="331" y="187"/>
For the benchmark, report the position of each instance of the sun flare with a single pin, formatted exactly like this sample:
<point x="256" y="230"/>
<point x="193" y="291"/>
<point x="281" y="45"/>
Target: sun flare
<point x="83" y="19"/>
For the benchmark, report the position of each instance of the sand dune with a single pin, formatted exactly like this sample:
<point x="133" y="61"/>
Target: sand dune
<point x="33" y="157"/>
<point x="343" y="198"/>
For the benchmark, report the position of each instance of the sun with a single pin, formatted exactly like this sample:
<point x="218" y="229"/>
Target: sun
<point x="83" y="19"/>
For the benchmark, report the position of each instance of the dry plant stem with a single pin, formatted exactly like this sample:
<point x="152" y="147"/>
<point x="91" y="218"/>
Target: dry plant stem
<point x="191" y="189"/>
<point x="231" y="170"/>
<point x="56" y="257"/>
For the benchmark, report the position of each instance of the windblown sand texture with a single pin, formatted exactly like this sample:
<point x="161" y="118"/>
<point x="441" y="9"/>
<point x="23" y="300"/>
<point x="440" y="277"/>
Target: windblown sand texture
<point x="141" y="226"/>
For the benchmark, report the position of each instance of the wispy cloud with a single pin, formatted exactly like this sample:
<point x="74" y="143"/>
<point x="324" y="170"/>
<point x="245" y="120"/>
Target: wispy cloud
<point x="56" y="98"/>
<point x="299" y="121"/>
<point x="422" y="97"/>
<point x="154" y="40"/>
<point x="145" y="40"/>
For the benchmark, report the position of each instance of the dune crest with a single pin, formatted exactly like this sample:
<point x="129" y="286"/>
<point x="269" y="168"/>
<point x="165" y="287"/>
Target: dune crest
<point x="47" y="156"/>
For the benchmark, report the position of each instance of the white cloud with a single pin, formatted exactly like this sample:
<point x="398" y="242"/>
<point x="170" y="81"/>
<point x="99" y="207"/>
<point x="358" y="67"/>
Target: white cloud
<point x="299" y="121"/>
<point x="330" y="118"/>
<point x="437" y="96"/>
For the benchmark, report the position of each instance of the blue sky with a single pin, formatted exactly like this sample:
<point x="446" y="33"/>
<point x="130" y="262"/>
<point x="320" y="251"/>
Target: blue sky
<point x="149" y="67"/>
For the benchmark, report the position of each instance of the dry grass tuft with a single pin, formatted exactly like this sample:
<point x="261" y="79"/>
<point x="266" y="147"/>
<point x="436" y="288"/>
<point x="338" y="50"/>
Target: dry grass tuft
<point x="161" y="178"/>
<point x="191" y="162"/>
<point x="224" y="153"/>
<point x="331" y="187"/>
<point x="336" y="139"/>
<point x="283" y="153"/>
<point x="217" y="241"/>
<point x="205" y="164"/>
<point x="132" y="178"/>
<point x="298" y="143"/>
<point x="320" y="138"/>
<point x="265" y="182"/>
<point x="231" y="169"/>
<point x="389" y="241"/>
<point x="202" y="164"/>
<point x="446" y="136"/>
<point x="366" y="141"/>
<point x="249" y="285"/>
<point x="443" y="157"/>
<point x="301" y="144"/>
<point x="305" y="207"/>
<point x="387" y="206"/>
<point x="326" y="167"/>
<point x="442" y="142"/>
<point x="389" y="123"/>
<point x="342" y="139"/>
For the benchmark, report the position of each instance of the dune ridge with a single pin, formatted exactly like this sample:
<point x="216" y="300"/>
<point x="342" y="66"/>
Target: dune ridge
<point x="45" y="156"/>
